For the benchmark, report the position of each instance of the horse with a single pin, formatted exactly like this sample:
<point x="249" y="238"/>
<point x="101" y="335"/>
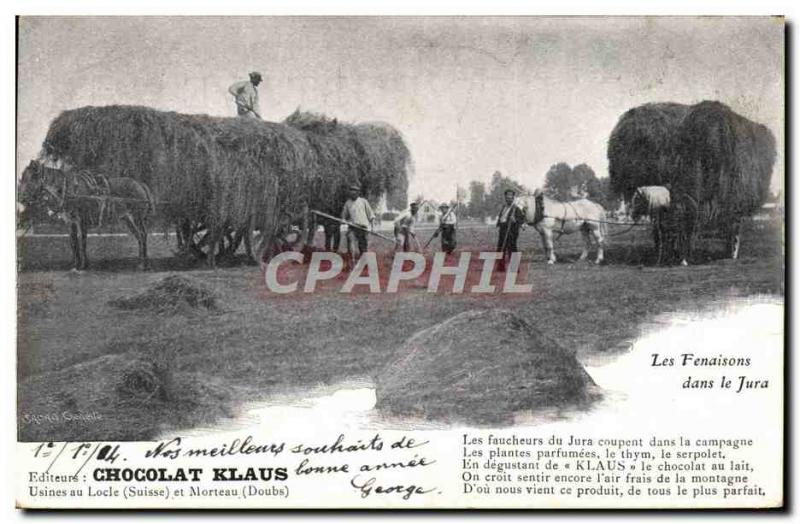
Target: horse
<point x="83" y="199"/>
<point x="676" y="222"/>
<point x="548" y="217"/>
<point x="653" y="202"/>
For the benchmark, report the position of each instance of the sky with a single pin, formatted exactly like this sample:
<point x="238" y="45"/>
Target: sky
<point x="471" y="95"/>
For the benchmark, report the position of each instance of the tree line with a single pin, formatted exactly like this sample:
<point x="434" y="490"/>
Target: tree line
<point x="562" y="182"/>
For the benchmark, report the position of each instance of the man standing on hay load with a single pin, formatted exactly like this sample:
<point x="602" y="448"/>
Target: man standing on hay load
<point x="404" y="231"/>
<point x="357" y="211"/>
<point x="245" y="95"/>
<point x="447" y="228"/>
<point x="509" y="221"/>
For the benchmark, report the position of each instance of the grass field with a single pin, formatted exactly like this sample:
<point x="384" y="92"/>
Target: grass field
<point x="73" y="347"/>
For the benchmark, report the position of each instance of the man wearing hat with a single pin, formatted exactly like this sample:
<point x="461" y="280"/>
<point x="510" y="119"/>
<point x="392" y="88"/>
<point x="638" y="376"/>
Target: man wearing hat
<point x="358" y="212"/>
<point x="246" y="96"/>
<point x="509" y="221"/>
<point x="404" y="228"/>
<point x="447" y="227"/>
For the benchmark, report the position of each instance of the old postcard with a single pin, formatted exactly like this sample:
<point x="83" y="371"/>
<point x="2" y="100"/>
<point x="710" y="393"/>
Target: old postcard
<point x="400" y="262"/>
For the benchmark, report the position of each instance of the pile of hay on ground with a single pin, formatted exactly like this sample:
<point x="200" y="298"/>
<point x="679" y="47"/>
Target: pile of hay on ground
<point x="125" y="398"/>
<point x="138" y="380"/>
<point x="153" y="373"/>
<point x="224" y="171"/>
<point x="642" y="147"/>
<point x="481" y="367"/>
<point x="170" y="294"/>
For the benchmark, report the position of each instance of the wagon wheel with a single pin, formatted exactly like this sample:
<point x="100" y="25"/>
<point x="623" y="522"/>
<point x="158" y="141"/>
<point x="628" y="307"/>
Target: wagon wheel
<point x="230" y="242"/>
<point x="261" y="250"/>
<point x="198" y="242"/>
<point x="199" y="237"/>
<point x="189" y="238"/>
<point x="270" y="234"/>
<point x="226" y="246"/>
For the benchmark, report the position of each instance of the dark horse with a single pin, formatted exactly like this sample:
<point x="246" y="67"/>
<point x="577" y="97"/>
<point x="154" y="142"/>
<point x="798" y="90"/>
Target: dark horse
<point x="84" y="200"/>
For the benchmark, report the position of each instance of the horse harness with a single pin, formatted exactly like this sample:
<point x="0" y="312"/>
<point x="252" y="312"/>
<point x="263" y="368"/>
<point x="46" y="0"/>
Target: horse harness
<point x="97" y="185"/>
<point x="562" y="219"/>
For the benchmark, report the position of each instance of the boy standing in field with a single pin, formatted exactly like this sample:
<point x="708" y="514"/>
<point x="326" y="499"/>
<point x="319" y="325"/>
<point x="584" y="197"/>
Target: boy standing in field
<point x="404" y="228"/>
<point x="358" y="212"/>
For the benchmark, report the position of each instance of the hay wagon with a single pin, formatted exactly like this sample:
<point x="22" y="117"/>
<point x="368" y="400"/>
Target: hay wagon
<point x="222" y="182"/>
<point x="715" y="163"/>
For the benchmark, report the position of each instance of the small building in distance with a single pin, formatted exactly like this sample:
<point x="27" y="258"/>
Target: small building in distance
<point x="428" y="211"/>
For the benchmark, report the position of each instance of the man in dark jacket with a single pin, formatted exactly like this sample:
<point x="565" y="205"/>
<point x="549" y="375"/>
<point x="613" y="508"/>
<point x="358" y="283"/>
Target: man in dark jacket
<point x="509" y="221"/>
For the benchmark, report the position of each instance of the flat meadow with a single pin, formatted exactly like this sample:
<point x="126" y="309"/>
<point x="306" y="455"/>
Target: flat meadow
<point x="79" y="354"/>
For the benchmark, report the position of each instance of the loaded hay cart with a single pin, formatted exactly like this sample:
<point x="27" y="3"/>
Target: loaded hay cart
<point x="715" y="163"/>
<point x="224" y="181"/>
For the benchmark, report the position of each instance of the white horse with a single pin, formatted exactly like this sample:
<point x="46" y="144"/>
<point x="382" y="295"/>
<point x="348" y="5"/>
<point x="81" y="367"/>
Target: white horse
<point x="549" y="217"/>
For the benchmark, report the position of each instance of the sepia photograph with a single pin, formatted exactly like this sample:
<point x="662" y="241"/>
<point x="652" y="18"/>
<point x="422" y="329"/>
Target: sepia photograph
<point x="400" y="262"/>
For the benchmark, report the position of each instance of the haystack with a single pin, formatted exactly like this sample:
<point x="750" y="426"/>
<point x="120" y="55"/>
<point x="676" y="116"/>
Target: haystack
<point x="173" y="293"/>
<point x="124" y="396"/>
<point x="642" y="147"/>
<point x="481" y="367"/>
